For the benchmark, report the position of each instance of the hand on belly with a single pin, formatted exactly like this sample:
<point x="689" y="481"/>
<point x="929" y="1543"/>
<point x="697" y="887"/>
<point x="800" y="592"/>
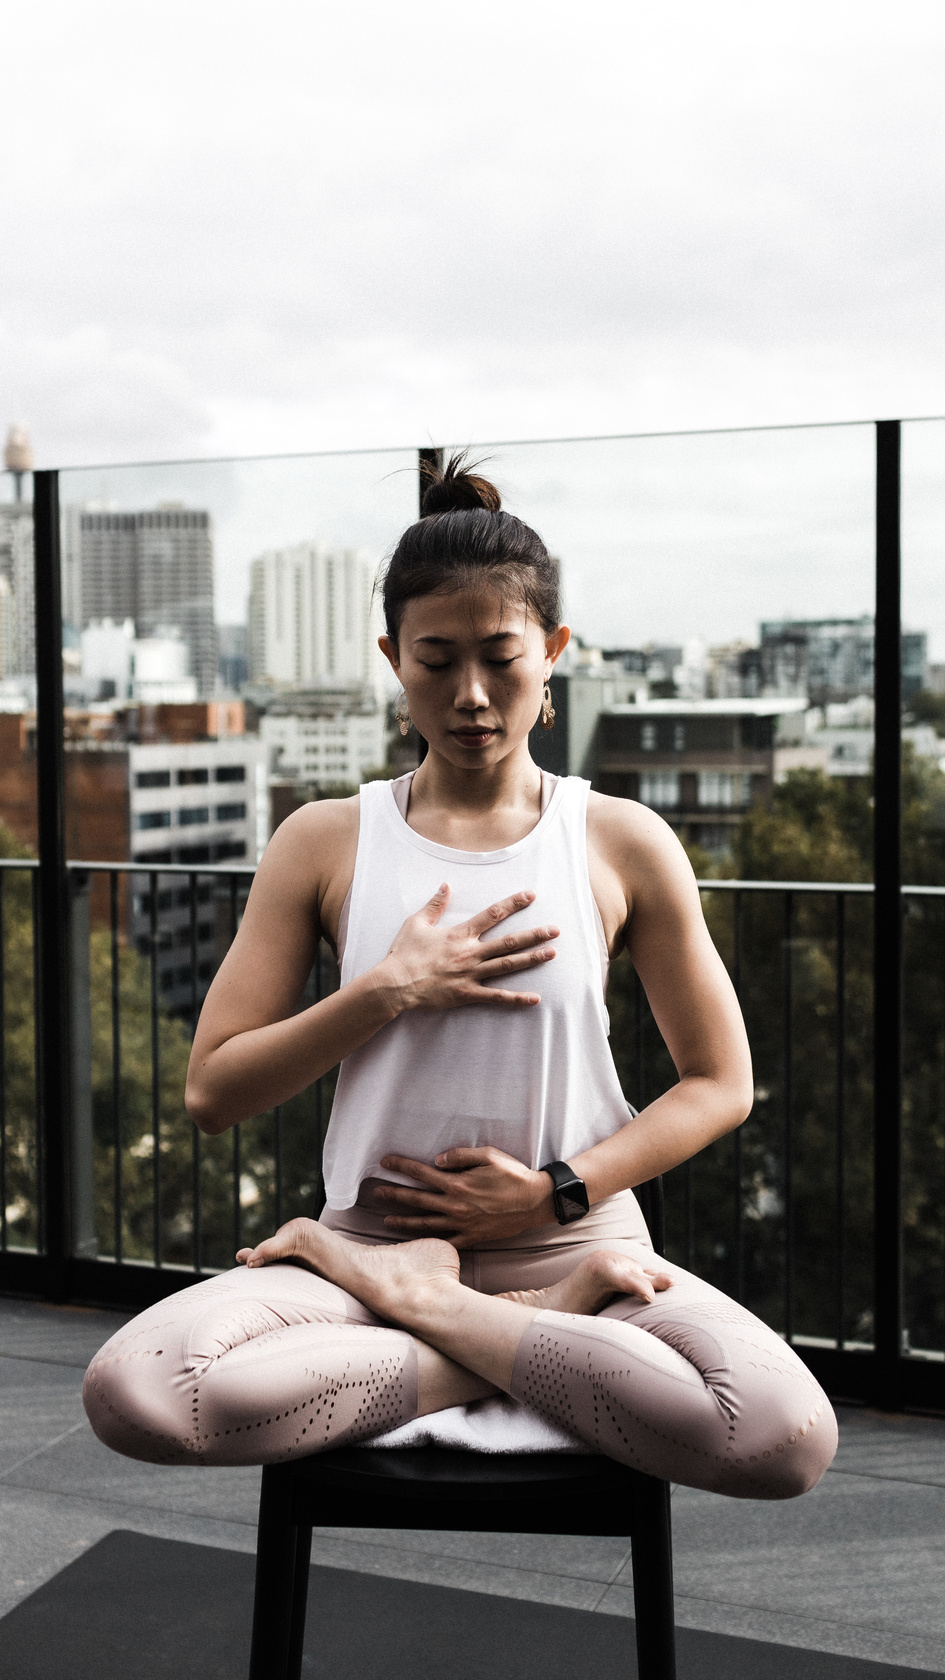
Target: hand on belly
<point x="470" y="1196"/>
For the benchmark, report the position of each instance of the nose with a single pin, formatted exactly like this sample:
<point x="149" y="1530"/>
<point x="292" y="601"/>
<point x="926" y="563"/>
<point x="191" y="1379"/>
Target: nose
<point x="471" y="694"/>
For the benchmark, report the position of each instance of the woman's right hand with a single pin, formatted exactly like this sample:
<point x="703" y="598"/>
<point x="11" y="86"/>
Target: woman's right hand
<point x="431" y="967"/>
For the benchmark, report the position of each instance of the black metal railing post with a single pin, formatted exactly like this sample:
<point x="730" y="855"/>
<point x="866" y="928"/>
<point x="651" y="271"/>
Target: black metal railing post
<point x="52" y="968"/>
<point x="887" y="924"/>
<point x="428" y="460"/>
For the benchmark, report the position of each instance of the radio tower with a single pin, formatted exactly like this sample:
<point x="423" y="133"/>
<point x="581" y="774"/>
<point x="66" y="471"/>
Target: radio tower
<point x="18" y="456"/>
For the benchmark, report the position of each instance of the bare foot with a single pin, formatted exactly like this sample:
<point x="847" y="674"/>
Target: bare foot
<point x="395" y="1280"/>
<point x="594" y="1282"/>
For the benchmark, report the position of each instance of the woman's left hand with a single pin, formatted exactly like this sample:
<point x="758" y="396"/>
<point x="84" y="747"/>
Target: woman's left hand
<point x="470" y="1196"/>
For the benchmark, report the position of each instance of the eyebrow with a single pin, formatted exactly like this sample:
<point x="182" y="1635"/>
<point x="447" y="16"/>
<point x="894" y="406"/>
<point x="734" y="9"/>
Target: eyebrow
<point x="448" y="641"/>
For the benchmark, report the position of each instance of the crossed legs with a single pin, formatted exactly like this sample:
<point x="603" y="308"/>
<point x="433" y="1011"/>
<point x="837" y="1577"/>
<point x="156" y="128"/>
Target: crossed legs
<point x="274" y="1360"/>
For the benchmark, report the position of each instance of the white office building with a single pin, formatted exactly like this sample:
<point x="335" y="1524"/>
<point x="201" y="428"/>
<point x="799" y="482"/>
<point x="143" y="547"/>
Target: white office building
<point x="195" y="803"/>
<point x="324" y="748"/>
<point x="311" y="622"/>
<point x="198" y="801"/>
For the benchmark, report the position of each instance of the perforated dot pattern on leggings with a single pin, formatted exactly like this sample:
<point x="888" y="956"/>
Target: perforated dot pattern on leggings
<point x="359" y="1401"/>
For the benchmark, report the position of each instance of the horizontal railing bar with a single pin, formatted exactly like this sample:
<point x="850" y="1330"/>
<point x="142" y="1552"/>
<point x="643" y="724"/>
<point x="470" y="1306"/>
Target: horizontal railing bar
<point x="136" y="868"/>
<point x="498" y="443"/>
<point x="908" y="890"/>
<point x="791" y="886"/>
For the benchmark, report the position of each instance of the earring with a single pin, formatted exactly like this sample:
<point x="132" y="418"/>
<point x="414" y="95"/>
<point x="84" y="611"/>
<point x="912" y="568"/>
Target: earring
<point x="547" y="709"/>
<point x="402" y="715"/>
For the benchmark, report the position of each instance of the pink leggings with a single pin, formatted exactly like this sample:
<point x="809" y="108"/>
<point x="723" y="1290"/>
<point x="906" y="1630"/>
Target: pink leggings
<point x="255" y="1367"/>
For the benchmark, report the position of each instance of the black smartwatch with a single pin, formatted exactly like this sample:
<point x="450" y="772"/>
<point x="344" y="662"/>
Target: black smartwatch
<point x="569" y="1194"/>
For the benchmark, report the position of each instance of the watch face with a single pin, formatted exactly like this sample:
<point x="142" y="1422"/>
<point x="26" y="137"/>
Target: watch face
<point x="572" y="1201"/>
<point x="570" y="1209"/>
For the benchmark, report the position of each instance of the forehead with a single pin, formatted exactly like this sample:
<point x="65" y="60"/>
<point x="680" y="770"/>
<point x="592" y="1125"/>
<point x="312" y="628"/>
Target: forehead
<point x="466" y="615"/>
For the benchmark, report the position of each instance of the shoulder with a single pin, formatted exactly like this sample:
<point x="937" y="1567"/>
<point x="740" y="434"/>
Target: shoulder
<point x="619" y="824"/>
<point x="641" y="849"/>
<point x="313" y="845"/>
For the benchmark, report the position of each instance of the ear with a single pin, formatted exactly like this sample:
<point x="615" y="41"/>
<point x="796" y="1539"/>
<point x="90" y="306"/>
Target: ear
<point x="555" y="645"/>
<point x="389" y="650"/>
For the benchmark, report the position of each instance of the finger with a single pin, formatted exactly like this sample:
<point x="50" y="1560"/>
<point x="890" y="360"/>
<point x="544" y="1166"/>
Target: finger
<point x="434" y="908"/>
<point x="523" y="940"/>
<point x="419" y="1201"/>
<point x="514" y="965"/>
<point x="420" y="1170"/>
<point x="461" y="1159"/>
<point x="508" y="1000"/>
<point x="660" y="1280"/>
<point x="498" y="912"/>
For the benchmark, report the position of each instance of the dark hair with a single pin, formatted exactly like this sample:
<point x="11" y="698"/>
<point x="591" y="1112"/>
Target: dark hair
<point x="463" y="539"/>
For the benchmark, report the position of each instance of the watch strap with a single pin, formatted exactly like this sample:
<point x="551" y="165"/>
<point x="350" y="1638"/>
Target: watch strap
<point x="569" y="1194"/>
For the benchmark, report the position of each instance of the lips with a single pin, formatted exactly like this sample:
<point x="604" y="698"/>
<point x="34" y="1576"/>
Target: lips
<point x="474" y="737"/>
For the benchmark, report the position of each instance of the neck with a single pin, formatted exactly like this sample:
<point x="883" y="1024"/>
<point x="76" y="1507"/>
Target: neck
<point x="512" y="784"/>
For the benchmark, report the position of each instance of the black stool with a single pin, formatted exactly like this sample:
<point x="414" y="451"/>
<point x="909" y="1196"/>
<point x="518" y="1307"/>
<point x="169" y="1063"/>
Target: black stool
<point x="433" y="1488"/>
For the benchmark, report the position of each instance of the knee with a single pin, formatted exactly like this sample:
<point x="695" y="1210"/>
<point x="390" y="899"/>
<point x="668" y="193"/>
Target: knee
<point x="797" y="1450"/>
<point x="133" y="1411"/>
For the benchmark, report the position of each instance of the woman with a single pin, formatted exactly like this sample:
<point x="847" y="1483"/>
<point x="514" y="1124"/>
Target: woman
<point x="481" y="1231"/>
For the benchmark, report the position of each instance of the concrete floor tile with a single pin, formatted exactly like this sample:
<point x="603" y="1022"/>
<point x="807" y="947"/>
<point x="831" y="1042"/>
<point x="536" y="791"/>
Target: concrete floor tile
<point x="81" y="1467"/>
<point x="38" y="1403"/>
<point x="907" y="1648"/>
<point x="57" y="1335"/>
<point x="890" y="1446"/>
<point x="41" y="1533"/>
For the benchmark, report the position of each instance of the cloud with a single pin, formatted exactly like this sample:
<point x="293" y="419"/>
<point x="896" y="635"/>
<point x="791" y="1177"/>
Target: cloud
<point x="348" y="228"/>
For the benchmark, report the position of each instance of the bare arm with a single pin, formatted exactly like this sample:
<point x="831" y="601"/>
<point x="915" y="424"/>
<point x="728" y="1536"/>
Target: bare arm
<point x="695" y="1009"/>
<point x="251" y="1051"/>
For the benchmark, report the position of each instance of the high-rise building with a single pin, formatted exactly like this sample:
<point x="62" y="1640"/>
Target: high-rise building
<point x="16" y="565"/>
<point x="154" y="566"/>
<point x="310" y="619"/>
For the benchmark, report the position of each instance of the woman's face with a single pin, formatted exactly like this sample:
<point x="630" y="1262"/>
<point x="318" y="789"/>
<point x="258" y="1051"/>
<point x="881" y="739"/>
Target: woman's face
<point x="473" y="665"/>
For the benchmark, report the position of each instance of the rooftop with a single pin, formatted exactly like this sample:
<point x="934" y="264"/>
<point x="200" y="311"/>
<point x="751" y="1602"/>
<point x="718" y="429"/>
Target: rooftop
<point x="767" y="706"/>
<point x="854" y="1568"/>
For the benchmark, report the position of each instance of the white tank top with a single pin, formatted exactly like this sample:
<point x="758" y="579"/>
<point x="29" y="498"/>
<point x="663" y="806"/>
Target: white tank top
<point x="539" y="1083"/>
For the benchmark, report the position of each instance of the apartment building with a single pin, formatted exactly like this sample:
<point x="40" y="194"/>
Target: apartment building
<point x="16" y="569"/>
<point x="324" y="746"/>
<point x="311" y="623"/>
<point x="153" y="566"/>
<point x="192" y="802"/>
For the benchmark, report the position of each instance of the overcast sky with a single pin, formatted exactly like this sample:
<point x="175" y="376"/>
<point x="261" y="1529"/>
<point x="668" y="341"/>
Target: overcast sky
<point x="232" y="230"/>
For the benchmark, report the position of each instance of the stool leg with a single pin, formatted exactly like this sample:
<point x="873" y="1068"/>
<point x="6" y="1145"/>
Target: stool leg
<point x="303" y="1563"/>
<point x="273" y="1605"/>
<point x="652" y="1545"/>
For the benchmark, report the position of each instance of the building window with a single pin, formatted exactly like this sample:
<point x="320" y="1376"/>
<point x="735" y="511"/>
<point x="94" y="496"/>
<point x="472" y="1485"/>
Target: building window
<point x="193" y="854"/>
<point x="230" y="813"/>
<point x="153" y="819"/>
<point x="153" y="778"/>
<point x="230" y="773"/>
<point x="648" y="737"/>
<point x="679" y="737"/>
<point x="723" y="788"/>
<point x="659" y="789"/>
<point x="192" y="815"/>
<point x="231" y="849"/>
<point x="192" y="778"/>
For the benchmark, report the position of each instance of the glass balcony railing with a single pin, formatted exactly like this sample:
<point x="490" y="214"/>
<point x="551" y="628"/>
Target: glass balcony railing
<point x="219" y="667"/>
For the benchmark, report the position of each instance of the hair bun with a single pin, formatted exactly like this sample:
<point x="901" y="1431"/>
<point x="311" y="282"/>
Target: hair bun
<point x="457" y="486"/>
